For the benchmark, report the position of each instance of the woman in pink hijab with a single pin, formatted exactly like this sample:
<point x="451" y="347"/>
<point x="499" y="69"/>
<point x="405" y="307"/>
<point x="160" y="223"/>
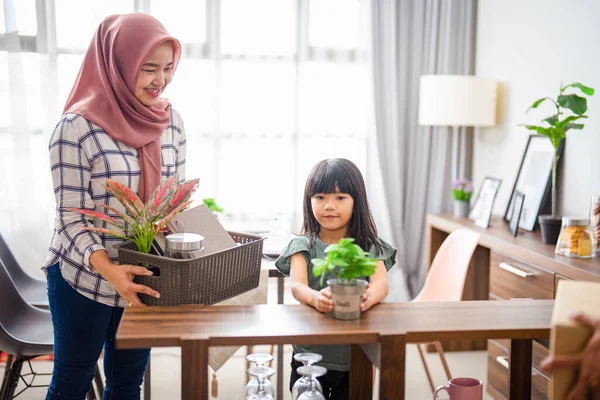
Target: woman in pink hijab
<point x="115" y="125"/>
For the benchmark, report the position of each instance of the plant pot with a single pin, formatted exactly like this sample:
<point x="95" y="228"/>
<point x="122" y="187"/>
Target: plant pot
<point x="346" y="295"/>
<point x="550" y="226"/>
<point x="461" y="208"/>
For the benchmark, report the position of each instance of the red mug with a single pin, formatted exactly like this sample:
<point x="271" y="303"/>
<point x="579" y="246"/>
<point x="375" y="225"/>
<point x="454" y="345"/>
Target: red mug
<point x="462" y="389"/>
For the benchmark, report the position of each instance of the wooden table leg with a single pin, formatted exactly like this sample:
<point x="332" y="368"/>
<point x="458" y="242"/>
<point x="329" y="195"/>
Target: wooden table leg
<point x="361" y="374"/>
<point x="520" y="369"/>
<point x="280" y="346"/>
<point x="147" y="384"/>
<point x="392" y="366"/>
<point x="194" y="369"/>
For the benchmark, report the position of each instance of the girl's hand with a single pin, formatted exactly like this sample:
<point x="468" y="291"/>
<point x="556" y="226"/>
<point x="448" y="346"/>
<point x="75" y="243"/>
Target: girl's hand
<point x="367" y="299"/>
<point x="588" y="362"/>
<point x="323" y="301"/>
<point x="121" y="277"/>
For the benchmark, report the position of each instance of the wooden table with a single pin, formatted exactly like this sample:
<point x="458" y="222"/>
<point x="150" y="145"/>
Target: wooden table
<point x="378" y="338"/>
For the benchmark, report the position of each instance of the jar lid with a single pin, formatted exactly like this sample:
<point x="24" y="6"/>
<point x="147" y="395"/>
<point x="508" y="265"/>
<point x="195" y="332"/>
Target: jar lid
<point x="596" y="199"/>
<point x="185" y="241"/>
<point x="575" y="221"/>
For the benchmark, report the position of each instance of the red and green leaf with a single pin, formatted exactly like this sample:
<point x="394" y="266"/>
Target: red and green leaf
<point x="123" y="216"/>
<point x="98" y="215"/>
<point x="183" y="193"/>
<point x="161" y="224"/>
<point x="116" y="233"/>
<point x="123" y="192"/>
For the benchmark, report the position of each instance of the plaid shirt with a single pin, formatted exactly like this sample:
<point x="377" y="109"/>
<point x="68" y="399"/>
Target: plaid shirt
<point x="82" y="157"/>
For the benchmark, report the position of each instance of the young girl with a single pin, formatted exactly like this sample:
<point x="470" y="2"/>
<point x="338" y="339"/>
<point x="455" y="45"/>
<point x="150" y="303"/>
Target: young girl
<point x="335" y="207"/>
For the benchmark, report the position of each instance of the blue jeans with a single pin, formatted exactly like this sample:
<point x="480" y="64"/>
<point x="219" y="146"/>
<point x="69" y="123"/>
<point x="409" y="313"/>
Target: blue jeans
<point x="81" y="328"/>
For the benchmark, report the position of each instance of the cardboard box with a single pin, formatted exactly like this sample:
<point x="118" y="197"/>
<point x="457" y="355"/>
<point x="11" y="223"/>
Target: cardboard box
<point x="567" y="336"/>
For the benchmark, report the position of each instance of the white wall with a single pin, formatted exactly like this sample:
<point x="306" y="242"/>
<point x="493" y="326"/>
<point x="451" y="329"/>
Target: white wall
<point x="530" y="46"/>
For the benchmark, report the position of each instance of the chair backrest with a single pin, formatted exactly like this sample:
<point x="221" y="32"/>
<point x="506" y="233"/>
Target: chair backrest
<point x="446" y="278"/>
<point x="17" y="273"/>
<point x="12" y="308"/>
<point x="24" y="329"/>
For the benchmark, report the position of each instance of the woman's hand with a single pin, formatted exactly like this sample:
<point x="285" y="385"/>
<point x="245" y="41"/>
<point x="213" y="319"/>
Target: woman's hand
<point x="121" y="277"/>
<point x="323" y="301"/>
<point x="588" y="362"/>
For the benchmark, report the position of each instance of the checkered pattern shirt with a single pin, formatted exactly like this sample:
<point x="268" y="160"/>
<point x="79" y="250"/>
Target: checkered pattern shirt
<point x="82" y="157"/>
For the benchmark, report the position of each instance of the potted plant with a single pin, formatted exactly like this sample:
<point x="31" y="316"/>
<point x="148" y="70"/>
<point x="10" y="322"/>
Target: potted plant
<point x="555" y="128"/>
<point x="142" y="222"/>
<point x="462" y="190"/>
<point x="347" y="262"/>
<point x="213" y="206"/>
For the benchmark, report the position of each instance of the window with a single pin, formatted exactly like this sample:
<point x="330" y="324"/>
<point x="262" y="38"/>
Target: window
<point x="266" y="88"/>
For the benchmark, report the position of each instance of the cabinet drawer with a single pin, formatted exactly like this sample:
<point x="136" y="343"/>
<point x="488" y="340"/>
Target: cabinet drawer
<point x="558" y="278"/>
<point x="511" y="279"/>
<point x="538" y="351"/>
<point x="498" y="370"/>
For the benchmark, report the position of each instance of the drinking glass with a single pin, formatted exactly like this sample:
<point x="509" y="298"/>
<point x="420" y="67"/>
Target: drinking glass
<point x="313" y="372"/>
<point x="302" y="384"/>
<point x="261" y="374"/>
<point x="259" y="360"/>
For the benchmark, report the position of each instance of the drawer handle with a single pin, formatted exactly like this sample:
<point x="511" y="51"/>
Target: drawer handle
<point x="503" y="361"/>
<point x="514" y="270"/>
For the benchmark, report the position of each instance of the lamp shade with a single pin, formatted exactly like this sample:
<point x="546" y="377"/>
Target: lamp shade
<point x="457" y="100"/>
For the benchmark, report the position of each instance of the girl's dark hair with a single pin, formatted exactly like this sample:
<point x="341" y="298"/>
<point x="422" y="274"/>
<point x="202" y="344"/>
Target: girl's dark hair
<point x="343" y="174"/>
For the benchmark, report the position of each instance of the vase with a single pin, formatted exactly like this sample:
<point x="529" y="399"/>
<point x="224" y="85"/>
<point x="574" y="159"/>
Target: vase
<point x="550" y="227"/>
<point x="461" y="208"/>
<point x="346" y="296"/>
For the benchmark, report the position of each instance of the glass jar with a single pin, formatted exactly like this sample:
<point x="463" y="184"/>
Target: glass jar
<point x="184" y="245"/>
<point x="576" y="239"/>
<point x="595" y="218"/>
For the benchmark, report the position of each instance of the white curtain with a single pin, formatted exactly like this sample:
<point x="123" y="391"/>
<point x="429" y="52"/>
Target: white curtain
<point x="410" y="38"/>
<point x="265" y="87"/>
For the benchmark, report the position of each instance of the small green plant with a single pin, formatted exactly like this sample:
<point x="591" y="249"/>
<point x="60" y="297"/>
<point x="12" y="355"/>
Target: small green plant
<point x="556" y="127"/>
<point x="212" y="205"/>
<point x="345" y="260"/>
<point x="462" y="189"/>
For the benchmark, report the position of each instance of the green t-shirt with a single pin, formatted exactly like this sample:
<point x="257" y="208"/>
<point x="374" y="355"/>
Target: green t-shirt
<point x="335" y="357"/>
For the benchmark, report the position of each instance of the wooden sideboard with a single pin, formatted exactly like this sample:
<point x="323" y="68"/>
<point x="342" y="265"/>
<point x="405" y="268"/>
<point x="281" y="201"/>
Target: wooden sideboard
<point x="505" y="267"/>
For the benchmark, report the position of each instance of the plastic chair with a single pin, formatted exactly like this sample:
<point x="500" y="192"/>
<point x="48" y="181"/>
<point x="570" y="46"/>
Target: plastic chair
<point x="26" y="332"/>
<point x="446" y="281"/>
<point x="32" y="289"/>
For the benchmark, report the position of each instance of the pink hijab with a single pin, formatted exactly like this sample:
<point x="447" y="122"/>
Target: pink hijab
<point x="104" y="91"/>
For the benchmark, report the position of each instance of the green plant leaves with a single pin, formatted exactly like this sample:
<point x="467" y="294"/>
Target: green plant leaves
<point x="552" y="120"/>
<point x="538" y="129"/>
<point x="574" y="103"/>
<point x="345" y="260"/>
<point x="538" y="102"/>
<point x="585" y="89"/>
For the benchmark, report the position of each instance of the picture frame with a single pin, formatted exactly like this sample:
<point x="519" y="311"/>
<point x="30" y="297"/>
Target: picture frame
<point x="481" y="212"/>
<point x="513" y="224"/>
<point x="534" y="180"/>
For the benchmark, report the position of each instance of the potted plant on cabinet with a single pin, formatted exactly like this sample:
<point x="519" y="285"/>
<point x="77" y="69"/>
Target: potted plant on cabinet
<point x="462" y="190"/>
<point x="555" y="128"/>
<point x="347" y="263"/>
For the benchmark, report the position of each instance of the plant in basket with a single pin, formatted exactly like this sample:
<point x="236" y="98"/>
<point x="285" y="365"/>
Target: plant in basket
<point x="349" y="264"/>
<point x="141" y="222"/>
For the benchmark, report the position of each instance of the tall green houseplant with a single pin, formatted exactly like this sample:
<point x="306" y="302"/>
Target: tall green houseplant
<point x="555" y="127"/>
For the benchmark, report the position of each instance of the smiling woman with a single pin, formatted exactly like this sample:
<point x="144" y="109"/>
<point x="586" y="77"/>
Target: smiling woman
<point x="156" y="73"/>
<point x="114" y="125"/>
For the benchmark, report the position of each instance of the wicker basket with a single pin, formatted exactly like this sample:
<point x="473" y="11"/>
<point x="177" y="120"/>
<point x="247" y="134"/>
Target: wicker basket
<point x="206" y="280"/>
